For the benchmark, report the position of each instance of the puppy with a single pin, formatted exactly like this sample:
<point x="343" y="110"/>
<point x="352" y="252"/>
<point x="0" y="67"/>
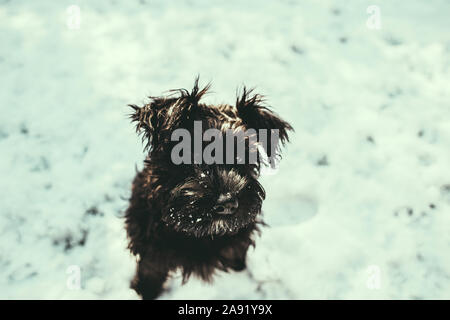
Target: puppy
<point x="196" y="205"/>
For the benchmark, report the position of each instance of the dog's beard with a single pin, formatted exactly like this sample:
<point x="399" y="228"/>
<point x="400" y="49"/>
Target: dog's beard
<point x="191" y="211"/>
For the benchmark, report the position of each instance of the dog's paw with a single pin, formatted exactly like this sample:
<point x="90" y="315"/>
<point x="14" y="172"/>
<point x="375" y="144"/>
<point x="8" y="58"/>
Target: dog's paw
<point x="239" y="265"/>
<point x="147" y="288"/>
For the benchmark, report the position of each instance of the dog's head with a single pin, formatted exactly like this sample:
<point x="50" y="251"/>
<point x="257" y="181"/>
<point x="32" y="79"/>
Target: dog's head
<point x="208" y="158"/>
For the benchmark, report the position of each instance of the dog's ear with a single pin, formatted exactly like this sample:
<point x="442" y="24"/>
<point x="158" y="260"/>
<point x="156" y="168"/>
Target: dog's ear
<point x="157" y="119"/>
<point x="256" y="115"/>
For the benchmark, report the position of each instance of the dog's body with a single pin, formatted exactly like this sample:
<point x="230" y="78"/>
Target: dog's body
<point x="194" y="217"/>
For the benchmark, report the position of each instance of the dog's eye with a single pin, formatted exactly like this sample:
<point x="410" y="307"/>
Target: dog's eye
<point x="255" y="172"/>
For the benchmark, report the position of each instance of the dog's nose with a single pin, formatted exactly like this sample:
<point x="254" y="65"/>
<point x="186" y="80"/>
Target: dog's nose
<point x="226" y="204"/>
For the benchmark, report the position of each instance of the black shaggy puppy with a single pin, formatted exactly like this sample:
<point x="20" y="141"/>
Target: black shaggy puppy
<point x="197" y="216"/>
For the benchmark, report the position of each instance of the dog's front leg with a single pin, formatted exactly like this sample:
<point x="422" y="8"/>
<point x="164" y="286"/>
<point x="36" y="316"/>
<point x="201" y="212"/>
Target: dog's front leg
<point x="235" y="257"/>
<point x="149" y="279"/>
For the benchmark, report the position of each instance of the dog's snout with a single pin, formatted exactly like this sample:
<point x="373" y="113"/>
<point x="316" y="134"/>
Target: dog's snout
<point x="226" y="204"/>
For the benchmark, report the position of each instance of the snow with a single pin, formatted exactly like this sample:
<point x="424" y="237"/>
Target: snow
<point x="359" y="207"/>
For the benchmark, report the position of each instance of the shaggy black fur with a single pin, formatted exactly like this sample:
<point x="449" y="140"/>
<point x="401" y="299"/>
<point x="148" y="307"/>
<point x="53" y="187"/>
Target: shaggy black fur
<point x="176" y="215"/>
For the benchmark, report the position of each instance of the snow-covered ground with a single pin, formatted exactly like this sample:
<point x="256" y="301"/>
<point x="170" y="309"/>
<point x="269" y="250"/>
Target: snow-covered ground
<point x="360" y="206"/>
